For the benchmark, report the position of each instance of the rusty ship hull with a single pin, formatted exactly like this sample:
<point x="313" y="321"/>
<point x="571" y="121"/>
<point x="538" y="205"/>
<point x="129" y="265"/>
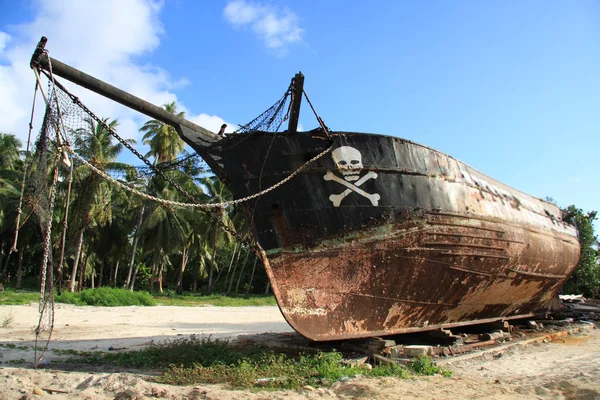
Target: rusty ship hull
<point x="443" y="245"/>
<point x="381" y="235"/>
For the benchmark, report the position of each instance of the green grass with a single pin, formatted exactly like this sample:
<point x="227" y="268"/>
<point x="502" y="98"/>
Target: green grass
<point x="18" y="296"/>
<point x="189" y="361"/>
<point x="112" y="297"/>
<point x="218" y="300"/>
<point x="106" y="297"/>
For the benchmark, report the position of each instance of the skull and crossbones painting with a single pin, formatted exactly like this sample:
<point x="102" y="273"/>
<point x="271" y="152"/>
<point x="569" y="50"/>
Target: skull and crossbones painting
<point x="348" y="160"/>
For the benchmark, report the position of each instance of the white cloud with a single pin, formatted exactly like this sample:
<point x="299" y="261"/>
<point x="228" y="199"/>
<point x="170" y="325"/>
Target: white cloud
<point x="277" y="28"/>
<point x="4" y="38"/>
<point x="239" y="12"/>
<point x="211" y="122"/>
<point x="104" y="38"/>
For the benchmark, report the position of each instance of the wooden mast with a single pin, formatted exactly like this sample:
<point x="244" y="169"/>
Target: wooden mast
<point x="297" y="90"/>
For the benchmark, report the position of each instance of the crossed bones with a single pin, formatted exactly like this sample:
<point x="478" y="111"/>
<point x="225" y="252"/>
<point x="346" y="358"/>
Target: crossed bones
<point x="336" y="199"/>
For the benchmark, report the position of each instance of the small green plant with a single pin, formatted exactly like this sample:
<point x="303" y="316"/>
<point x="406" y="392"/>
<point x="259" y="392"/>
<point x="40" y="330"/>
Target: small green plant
<point x="423" y="365"/>
<point x="14" y="362"/>
<point x="7" y="320"/>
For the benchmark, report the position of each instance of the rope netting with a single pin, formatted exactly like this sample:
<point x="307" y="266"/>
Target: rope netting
<point x="66" y="143"/>
<point x="77" y="119"/>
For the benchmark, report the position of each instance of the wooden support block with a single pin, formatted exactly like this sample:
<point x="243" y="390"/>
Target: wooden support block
<point x="417" y="350"/>
<point x="492" y="335"/>
<point x="501" y="325"/>
<point x="396" y="351"/>
<point x="445" y="336"/>
<point x="375" y="345"/>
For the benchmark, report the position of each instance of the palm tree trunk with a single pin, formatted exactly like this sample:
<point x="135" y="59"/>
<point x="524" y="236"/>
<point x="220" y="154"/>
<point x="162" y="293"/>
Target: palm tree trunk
<point x="212" y="265"/>
<point x="135" y="243"/>
<point x="268" y="287"/>
<point x="152" y="278"/>
<point x="251" y="276"/>
<point x="132" y="283"/>
<point x="237" y="285"/>
<point x="2" y="258"/>
<point x="235" y="251"/>
<point x="82" y="271"/>
<point x="160" y="276"/>
<point x="114" y="277"/>
<point x="1" y="249"/>
<point x="100" y="274"/>
<point x="4" y="272"/>
<point x="235" y="268"/>
<point x="184" y="260"/>
<point x="20" y="269"/>
<point x="76" y="263"/>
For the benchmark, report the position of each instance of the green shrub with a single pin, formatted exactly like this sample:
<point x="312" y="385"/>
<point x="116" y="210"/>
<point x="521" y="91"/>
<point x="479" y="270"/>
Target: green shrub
<point x="423" y="365"/>
<point x="107" y="297"/>
<point x="193" y="360"/>
<point x="170" y="298"/>
<point x="18" y="296"/>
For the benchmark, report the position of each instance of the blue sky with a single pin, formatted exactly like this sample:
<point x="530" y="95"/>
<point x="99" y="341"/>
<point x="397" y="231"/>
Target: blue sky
<point x="511" y="88"/>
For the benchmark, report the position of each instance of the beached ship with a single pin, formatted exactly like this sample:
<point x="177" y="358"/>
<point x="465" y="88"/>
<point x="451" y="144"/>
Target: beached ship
<point x="379" y="235"/>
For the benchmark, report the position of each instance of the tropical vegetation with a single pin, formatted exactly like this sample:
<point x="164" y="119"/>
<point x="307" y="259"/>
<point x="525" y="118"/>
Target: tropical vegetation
<point x="105" y="236"/>
<point x="586" y="279"/>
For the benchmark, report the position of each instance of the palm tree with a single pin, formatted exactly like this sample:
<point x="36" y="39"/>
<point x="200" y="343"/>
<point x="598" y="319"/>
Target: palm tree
<point x="93" y="201"/>
<point x="217" y="192"/>
<point x="165" y="144"/>
<point x="9" y="151"/>
<point x="10" y="168"/>
<point x="10" y="180"/>
<point x="162" y="231"/>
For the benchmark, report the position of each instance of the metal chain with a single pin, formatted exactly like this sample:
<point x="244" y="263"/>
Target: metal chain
<point x="194" y="202"/>
<point x="215" y="218"/>
<point x="47" y="269"/>
<point x="195" y="205"/>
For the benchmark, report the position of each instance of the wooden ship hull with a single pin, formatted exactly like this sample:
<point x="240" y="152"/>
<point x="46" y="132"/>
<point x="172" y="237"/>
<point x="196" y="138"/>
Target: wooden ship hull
<point x="380" y="235"/>
<point x="443" y="244"/>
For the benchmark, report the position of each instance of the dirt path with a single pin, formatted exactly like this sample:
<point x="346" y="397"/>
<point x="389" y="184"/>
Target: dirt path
<point x="567" y="369"/>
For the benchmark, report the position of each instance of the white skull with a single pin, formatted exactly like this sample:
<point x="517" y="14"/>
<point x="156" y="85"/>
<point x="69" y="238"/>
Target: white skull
<point x="348" y="161"/>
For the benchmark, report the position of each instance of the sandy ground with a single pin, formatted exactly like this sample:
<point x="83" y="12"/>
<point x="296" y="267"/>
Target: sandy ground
<point x="566" y="369"/>
<point x="101" y="328"/>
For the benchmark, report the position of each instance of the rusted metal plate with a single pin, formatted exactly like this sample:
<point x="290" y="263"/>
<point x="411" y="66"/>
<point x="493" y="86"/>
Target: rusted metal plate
<point x="440" y="245"/>
<point x="386" y="284"/>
